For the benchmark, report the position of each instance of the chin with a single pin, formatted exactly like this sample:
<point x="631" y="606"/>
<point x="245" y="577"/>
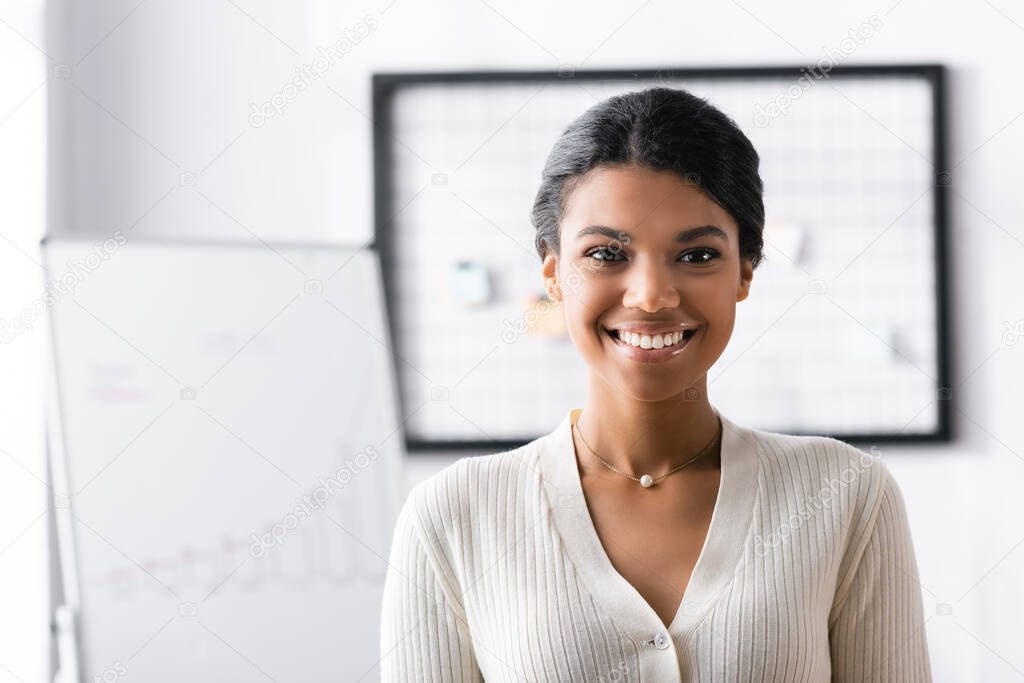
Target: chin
<point x="638" y="387"/>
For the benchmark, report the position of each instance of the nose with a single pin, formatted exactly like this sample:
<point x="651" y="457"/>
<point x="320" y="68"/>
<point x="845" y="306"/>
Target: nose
<point x="650" y="287"/>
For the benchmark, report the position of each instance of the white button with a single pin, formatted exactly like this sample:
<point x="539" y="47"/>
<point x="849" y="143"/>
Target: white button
<point x="662" y="640"/>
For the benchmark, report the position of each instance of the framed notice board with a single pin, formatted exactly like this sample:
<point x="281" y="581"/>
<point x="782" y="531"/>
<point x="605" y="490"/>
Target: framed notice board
<point x="845" y="330"/>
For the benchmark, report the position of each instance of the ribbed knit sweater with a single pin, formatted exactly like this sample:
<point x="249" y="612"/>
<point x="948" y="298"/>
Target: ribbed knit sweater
<point x="807" y="573"/>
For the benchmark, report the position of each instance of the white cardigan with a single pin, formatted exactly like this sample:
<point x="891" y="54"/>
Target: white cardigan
<point x="807" y="574"/>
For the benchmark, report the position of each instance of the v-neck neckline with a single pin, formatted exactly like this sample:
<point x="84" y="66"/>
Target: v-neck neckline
<point x="719" y="556"/>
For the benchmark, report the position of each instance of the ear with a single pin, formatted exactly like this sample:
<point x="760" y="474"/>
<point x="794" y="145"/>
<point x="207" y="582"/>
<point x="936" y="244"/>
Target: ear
<point x="746" y="275"/>
<point x="549" y="271"/>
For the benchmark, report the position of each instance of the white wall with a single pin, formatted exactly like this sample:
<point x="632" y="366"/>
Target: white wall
<point x="162" y="89"/>
<point x="23" y="491"/>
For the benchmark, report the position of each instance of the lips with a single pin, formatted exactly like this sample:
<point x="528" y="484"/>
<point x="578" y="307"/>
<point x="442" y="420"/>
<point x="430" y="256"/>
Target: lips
<point x="650" y="355"/>
<point x="651" y="328"/>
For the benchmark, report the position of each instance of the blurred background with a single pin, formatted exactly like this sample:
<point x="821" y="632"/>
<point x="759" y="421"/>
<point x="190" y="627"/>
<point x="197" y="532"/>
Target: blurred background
<point x="265" y="266"/>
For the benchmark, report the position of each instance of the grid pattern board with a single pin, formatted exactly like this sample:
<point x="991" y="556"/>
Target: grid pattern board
<point x="839" y="333"/>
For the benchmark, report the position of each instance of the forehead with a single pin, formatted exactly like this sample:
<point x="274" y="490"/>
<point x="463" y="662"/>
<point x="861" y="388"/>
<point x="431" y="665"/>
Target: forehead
<point x="642" y="202"/>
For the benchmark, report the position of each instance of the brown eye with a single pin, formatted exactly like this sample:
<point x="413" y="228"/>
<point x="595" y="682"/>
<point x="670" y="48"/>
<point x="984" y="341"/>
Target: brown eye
<point x="711" y="252"/>
<point x="602" y="255"/>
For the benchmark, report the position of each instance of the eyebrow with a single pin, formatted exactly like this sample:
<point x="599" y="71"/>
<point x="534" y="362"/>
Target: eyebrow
<point x="686" y="235"/>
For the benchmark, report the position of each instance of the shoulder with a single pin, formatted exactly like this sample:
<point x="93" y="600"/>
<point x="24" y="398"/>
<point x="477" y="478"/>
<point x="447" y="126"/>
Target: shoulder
<point x="453" y="496"/>
<point x="823" y="471"/>
<point x="802" y="449"/>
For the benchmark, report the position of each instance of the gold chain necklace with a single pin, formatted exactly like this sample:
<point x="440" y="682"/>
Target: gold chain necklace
<point x="646" y="480"/>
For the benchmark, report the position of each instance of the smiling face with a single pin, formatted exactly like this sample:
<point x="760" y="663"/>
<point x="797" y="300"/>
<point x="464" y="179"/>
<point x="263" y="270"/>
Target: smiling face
<point x="627" y="264"/>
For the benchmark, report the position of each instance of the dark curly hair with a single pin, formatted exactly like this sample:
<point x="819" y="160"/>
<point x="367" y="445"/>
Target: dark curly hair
<point x="662" y="129"/>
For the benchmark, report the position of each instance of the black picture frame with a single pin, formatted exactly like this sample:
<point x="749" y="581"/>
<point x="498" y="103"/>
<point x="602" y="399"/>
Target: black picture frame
<point x="386" y="85"/>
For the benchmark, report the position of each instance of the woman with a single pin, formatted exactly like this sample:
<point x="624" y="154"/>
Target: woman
<point x="649" y="537"/>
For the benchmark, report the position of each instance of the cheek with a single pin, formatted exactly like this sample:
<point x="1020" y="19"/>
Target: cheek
<point x="579" y="319"/>
<point x="595" y="289"/>
<point x="719" y="314"/>
<point x="587" y="304"/>
<point x="582" y="318"/>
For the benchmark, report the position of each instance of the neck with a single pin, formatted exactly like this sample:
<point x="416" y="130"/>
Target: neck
<point x="647" y="437"/>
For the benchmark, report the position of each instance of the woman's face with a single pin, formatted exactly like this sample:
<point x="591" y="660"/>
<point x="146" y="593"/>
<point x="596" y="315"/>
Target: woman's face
<point x="623" y="266"/>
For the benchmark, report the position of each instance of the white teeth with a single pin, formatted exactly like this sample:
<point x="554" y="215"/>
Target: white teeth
<point x="646" y="341"/>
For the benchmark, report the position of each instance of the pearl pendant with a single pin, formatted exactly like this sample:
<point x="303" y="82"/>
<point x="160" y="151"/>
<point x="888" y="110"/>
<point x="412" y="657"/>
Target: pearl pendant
<point x="646" y="481"/>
